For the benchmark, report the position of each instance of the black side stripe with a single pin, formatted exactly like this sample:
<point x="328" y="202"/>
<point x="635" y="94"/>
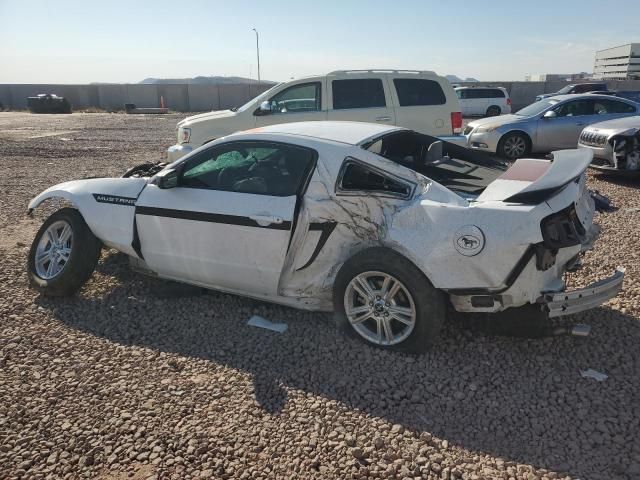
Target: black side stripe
<point x="326" y="229"/>
<point x="209" y="217"/>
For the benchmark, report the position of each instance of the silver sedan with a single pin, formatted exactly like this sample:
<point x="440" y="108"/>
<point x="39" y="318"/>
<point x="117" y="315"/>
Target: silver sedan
<point x="549" y="124"/>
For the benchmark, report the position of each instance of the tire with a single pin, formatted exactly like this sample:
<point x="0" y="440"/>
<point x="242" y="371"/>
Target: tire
<point x="494" y="111"/>
<point x="415" y="294"/>
<point x="514" y="145"/>
<point x="80" y="247"/>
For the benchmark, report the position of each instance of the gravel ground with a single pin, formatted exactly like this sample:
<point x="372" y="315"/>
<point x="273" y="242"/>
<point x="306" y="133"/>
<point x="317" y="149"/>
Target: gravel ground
<point x="123" y="381"/>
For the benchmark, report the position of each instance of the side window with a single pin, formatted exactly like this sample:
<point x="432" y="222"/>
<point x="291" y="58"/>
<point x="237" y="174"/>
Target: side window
<point x="304" y="97"/>
<point x="497" y="93"/>
<point x="603" y="107"/>
<point x="358" y="93"/>
<point x="460" y="94"/>
<point x="261" y="168"/>
<point x="575" y="108"/>
<point x="415" y="91"/>
<point x="356" y="177"/>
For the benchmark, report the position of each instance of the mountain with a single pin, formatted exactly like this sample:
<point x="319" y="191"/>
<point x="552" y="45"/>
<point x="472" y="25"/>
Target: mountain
<point x="200" y="80"/>
<point x="457" y="79"/>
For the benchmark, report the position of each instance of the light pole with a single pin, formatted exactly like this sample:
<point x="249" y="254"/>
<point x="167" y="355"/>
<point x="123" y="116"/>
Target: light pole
<point x="258" y="53"/>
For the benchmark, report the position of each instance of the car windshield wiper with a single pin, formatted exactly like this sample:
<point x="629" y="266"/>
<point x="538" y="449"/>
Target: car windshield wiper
<point x="234" y="109"/>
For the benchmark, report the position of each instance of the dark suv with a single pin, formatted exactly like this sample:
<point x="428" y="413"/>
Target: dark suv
<point x="576" y="88"/>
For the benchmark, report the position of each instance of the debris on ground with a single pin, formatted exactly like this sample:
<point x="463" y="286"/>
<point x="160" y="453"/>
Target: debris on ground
<point x="590" y="373"/>
<point x="602" y="203"/>
<point x="261" y="322"/>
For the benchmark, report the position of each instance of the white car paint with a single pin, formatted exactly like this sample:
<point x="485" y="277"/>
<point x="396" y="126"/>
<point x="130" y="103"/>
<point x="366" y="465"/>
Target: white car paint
<point x="478" y="100"/>
<point x="289" y="250"/>
<point x="432" y="119"/>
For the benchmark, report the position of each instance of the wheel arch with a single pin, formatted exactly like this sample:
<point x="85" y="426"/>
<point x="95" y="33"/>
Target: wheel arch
<point x="394" y="249"/>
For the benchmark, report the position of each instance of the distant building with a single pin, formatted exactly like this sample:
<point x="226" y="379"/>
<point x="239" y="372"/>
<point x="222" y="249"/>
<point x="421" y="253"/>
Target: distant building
<point x="556" y="77"/>
<point x="621" y="63"/>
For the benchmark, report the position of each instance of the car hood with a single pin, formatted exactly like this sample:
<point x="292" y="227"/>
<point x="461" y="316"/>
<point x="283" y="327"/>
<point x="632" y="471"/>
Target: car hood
<point x="203" y="117"/>
<point x="498" y="121"/>
<point x="617" y="124"/>
<point x="531" y="180"/>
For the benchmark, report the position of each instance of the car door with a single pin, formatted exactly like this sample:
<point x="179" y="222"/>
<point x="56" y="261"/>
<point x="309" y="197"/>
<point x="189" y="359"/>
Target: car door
<point x="462" y="97"/>
<point x="476" y="101"/>
<point x="228" y="221"/>
<point x="563" y="130"/>
<point x="360" y="99"/>
<point x="301" y="102"/>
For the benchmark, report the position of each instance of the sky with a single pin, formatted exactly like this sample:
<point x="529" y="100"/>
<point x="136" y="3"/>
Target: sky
<point x="83" y="41"/>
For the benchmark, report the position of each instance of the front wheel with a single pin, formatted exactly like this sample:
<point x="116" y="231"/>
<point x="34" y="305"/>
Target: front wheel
<point x="384" y="300"/>
<point x="63" y="254"/>
<point x="513" y="146"/>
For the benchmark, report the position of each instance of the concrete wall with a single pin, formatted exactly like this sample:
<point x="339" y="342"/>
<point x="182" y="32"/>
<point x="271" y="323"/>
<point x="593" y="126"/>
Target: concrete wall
<point x="198" y="98"/>
<point x="180" y="97"/>
<point x="524" y="93"/>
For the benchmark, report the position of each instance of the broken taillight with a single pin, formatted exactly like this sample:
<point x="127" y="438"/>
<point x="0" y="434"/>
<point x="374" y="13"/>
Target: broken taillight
<point x="456" y="122"/>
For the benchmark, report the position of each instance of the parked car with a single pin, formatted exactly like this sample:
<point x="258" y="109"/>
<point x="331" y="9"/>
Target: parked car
<point x="615" y="144"/>
<point x="576" y="89"/>
<point x="382" y="225"/>
<point x="550" y="124"/>
<point x="48" y="103"/>
<point x="484" y="101"/>
<point x="422" y="101"/>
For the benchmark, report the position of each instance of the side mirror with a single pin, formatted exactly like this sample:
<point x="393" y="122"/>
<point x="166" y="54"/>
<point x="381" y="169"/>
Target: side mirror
<point x="550" y="114"/>
<point x="167" y="178"/>
<point x="263" y="109"/>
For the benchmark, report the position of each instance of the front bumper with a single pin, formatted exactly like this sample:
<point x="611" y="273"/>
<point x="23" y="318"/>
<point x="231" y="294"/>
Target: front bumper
<point x="174" y="152"/>
<point x="575" y="301"/>
<point x="485" y="141"/>
<point x="604" y="152"/>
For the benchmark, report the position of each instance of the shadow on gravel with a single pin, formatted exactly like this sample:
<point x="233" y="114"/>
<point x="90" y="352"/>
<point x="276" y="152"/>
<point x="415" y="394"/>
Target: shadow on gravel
<point x="522" y="400"/>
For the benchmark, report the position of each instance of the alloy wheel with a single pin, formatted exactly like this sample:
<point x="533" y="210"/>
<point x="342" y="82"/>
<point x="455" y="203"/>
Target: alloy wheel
<point x="54" y="250"/>
<point x="515" y="146"/>
<point x="380" y="308"/>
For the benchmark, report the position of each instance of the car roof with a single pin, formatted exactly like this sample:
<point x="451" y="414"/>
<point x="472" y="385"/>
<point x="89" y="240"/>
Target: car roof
<point x="352" y="133"/>
<point x="481" y="86"/>
<point x="589" y="96"/>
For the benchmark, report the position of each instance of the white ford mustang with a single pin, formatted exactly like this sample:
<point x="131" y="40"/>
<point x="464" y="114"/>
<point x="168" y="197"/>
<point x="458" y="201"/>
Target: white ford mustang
<point x="380" y="224"/>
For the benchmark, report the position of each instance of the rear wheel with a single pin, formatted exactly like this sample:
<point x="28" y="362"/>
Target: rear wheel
<point x="384" y="300"/>
<point x="63" y="254"/>
<point x="493" y="111"/>
<point x="513" y="146"/>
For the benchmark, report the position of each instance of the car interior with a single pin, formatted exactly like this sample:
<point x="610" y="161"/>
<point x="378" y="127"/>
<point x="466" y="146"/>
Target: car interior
<point x="458" y="168"/>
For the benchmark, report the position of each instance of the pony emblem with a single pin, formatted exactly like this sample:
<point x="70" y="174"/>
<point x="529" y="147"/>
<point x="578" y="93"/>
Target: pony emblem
<point x="469" y="240"/>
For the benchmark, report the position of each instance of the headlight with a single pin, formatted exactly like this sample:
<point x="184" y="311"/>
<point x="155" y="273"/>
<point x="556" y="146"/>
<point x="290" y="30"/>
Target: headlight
<point x="486" y="128"/>
<point x="184" y="135"/>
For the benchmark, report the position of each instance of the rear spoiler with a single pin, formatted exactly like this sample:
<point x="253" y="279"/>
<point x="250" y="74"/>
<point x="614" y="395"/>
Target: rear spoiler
<point x="531" y="181"/>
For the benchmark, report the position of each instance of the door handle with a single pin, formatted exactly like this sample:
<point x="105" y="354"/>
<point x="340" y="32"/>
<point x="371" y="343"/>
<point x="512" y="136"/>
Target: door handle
<point x="580" y="124"/>
<point x="383" y="119"/>
<point x="265" y="219"/>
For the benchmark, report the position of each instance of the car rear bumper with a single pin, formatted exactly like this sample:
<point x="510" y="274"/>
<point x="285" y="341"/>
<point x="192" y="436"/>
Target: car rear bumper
<point x="575" y="301"/>
<point x="174" y="152"/>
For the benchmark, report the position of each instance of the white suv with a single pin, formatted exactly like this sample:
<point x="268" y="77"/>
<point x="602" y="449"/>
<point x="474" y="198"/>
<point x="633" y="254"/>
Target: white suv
<point x="484" y="101"/>
<point x="418" y="100"/>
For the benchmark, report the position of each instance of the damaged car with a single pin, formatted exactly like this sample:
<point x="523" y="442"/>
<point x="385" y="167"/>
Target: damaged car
<point x="382" y="225"/>
<point x="615" y="145"/>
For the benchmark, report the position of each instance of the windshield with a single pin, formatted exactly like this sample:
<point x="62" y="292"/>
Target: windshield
<point x="536" y="108"/>
<point x="256" y="100"/>
<point x="566" y="89"/>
